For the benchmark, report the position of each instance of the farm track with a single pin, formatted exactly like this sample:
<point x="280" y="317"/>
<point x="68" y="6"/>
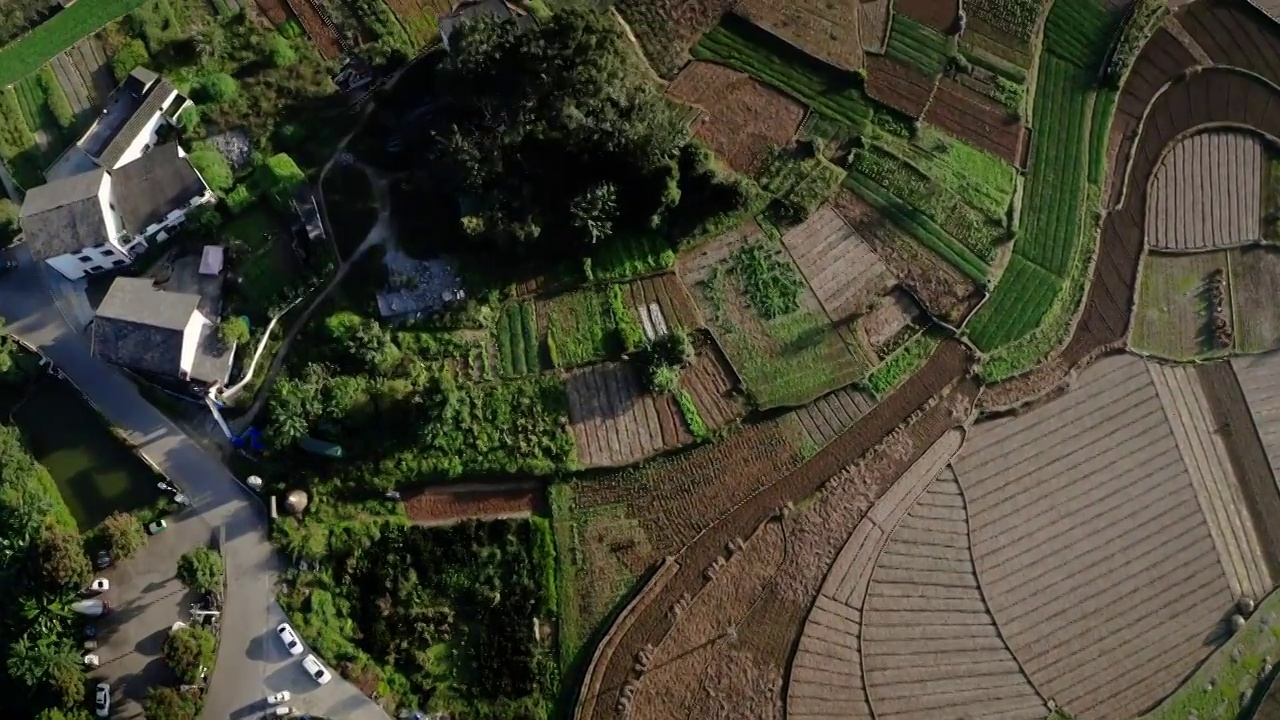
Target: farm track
<point x="744" y="119"/>
<point x="609" y="673"/>
<point x="898" y="86"/>
<point x="929" y="644"/>
<point x="1231" y="35"/>
<point x="1090" y="545"/>
<point x="828" y="416"/>
<point x="1182" y="216"/>
<point x="617" y="422"/>
<point x="978" y="120"/>
<point x="841" y="269"/>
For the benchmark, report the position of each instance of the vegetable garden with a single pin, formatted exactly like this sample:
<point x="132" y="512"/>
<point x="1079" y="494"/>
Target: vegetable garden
<point x="917" y="45"/>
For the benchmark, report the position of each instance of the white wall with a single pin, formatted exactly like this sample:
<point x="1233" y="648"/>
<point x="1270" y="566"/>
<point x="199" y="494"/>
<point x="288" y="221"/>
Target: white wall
<point x="147" y="137"/>
<point x="70" y="268"/>
<point x="191" y="341"/>
<point x="115" y="224"/>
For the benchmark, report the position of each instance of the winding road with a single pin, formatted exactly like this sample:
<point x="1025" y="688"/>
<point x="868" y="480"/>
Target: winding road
<point x="251" y="664"/>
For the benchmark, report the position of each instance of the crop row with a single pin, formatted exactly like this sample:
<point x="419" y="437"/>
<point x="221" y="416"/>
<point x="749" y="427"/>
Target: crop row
<point x="518" y="340"/>
<point x="917" y="45"/>
<point x="60" y="32"/>
<point x="911" y="186"/>
<point x="743" y="47"/>
<point x="17" y="145"/>
<point x="628" y="257"/>
<point x="902" y="364"/>
<point x="1048" y="240"/>
<point x="802" y="182"/>
<point x="1079" y="32"/>
<point x="918" y="226"/>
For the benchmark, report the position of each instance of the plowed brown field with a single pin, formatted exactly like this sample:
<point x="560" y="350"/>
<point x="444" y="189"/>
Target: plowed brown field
<point x="436" y="506"/>
<point x="662" y="301"/>
<point x="941" y="15"/>
<point x="844" y="273"/>
<point x="713" y="385"/>
<point x="825" y="29"/>
<point x="615" y="421"/>
<point x="900" y="87"/>
<point x="978" y="120"/>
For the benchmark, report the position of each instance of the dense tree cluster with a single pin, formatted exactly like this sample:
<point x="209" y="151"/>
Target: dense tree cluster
<point x="553" y="139"/>
<point x="201" y="570"/>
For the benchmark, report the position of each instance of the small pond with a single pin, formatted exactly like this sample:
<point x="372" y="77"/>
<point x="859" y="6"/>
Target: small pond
<point x="96" y="472"/>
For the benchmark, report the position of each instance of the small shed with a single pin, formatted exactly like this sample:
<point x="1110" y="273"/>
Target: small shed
<point x="211" y="259"/>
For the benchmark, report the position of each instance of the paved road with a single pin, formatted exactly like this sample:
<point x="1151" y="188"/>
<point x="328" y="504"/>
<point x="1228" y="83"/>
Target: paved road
<point x="251" y="663"/>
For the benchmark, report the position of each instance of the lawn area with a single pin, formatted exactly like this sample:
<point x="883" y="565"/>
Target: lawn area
<point x="262" y="260"/>
<point x="60" y="32"/>
<point x="96" y="473"/>
<point x="1171" y="316"/>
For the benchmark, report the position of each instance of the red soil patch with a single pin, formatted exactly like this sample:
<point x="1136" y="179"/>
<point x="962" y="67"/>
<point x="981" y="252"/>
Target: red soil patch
<point x="744" y="119"/>
<point x="969" y="115"/>
<point x="277" y="11"/>
<point x="442" y="505"/>
<point x="900" y="87"/>
<point x="940" y="15"/>
<point x="320" y="32"/>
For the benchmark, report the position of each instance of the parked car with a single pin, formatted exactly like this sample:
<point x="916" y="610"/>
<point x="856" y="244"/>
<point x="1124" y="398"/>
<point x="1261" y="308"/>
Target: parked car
<point x="102" y="700"/>
<point x="316" y="670"/>
<point x="157" y="527"/>
<point x="291" y="641"/>
<point x="279" y="698"/>
<point x="282" y="711"/>
<point x="98" y="586"/>
<point x="103" y="560"/>
<point x="92" y="607"/>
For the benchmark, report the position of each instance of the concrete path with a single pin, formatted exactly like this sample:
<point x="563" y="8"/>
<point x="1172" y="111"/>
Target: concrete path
<point x="251" y="663"/>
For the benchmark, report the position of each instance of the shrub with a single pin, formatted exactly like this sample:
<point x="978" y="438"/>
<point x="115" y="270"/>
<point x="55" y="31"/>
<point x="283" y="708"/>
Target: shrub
<point x="129" y="56"/>
<point x="239" y="199"/>
<point x="123" y="535"/>
<point x="57" y="100"/>
<point x="233" y="331"/>
<point x="189" y="121"/>
<point x="213" y="168"/>
<point x="189" y="649"/>
<point x="280" y="52"/>
<point x="166" y="703"/>
<point x="216" y="89"/>
<point x="9" y="227"/>
<point x="278" y="176"/>
<point x="60" y="557"/>
<point x="663" y="378"/>
<point x="675" y="348"/>
<point x="201" y="569"/>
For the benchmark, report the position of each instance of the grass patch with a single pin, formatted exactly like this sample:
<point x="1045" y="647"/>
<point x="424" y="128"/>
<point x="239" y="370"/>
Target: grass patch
<point x="60" y="32"/>
<point x="771" y="282"/>
<point x="917" y="45"/>
<point x="902" y="364"/>
<point x="623" y="258"/>
<point x="578" y="326"/>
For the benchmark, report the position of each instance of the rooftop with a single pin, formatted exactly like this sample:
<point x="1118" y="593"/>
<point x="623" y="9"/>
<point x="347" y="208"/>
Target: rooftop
<point x="149" y="188"/>
<point x="136" y="300"/>
<point x="64" y="216"/>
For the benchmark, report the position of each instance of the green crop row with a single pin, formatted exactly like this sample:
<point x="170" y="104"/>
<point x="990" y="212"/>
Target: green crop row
<point x="518" y="340"/>
<point x="990" y="62"/>
<point x="768" y="278"/>
<point x="902" y="364"/>
<point x="918" y="226"/>
<point x="1020" y="301"/>
<point x="624" y="321"/>
<point x="692" y="419"/>
<point x="907" y="183"/>
<point x="21" y="58"/>
<point x="1104" y="106"/>
<point x="917" y="45"/>
<point x="577" y="328"/>
<point x="17" y="145"/>
<point x="59" y="105"/>
<point x="1015" y="17"/>
<point x="743" y="47"/>
<point x="1079" y="31"/>
<point x="804" y="182"/>
<point x="628" y="257"/>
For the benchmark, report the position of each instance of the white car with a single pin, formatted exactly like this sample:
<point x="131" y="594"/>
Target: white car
<point x="316" y="670"/>
<point x="290" y="639"/>
<point x="279" y="698"/>
<point x="102" y="700"/>
<point x="282" y="711"/>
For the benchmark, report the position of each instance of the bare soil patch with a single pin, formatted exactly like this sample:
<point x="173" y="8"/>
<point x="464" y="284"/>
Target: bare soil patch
<point x="873" y="24"/>
<point x="841" y="269"/>
<point x="1255" y="285"/>
<point x="902" y="88"/>
<point x="615" y="421"/>
<point x="943" y="290"/>
<point x="714" y="385"/>
<point x="1207" y="192"/>
<point x="277" y="11"/>
<point x="978" y="120"/>
<point x="892" y="313"/>
<point x="433" y="506"/>
<point x="941" y="15"/>
<point x="825" y="29"/>
<point x="828" y="416"/>
<point x="663" y="299"/>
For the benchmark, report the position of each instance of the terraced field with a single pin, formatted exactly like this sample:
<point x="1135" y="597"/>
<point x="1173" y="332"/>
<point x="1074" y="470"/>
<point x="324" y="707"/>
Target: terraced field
<point x="843" y="271"/>
<point x="1207" y="193"/>
<point x="615" y="421"/>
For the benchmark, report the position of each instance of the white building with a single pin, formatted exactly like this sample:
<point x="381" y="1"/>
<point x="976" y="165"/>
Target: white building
<point x="100" y="220"/>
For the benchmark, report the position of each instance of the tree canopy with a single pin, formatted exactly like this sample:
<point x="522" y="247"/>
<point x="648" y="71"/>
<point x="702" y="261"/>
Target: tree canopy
<point x="201" y="570"/>
<point x="552" y="138"/>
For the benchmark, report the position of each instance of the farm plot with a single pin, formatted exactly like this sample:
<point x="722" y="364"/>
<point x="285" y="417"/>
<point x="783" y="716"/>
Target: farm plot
<point x="826" y="90"/>
<point x="1207" y="193"/>
<point x="967" y="114"/>
<point x="893" y="314"/>
<point x="743" y="119"/>
<point x="1079" y="31"/>
<point x="615" y="421"/>
<point x="1101" y="568"/>
<point x="768" y="321"/>
<point x="576" y="328"/>
<point x="1255" y="284"/>
<point x="943" y="290"/>
<point x="22" y="155"/>
<point x="518" y="349"/>
<point x="841" y="269"/>
<point x="826" y="30"/>
<point x="322" y="33"/>
<point x="277" y="11"/>
<point x="1179" y="300"/>
<point x="833" y="413"/>
<point x="917" y="45"/>
<point x="898" y="86"/>
<point x="441" y="506"/>
<point x="799" y="180"/>
<point x="91" y="62"/>
<point x="939" y="15"/>
<point x="610" y="530"/>
<point x="711" y="386"/>
<point x="34" y="103"/>
<point x="873" y="25"/>
<point x="1015" y="20"/>
<point x="419" y="18"/>
<point x="1234" y="35"/>
<point x="1259" y="382"/>
<point x="662" y="303"/>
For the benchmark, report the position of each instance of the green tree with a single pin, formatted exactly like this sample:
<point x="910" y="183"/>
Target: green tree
<point x="593" y="212"/>
<point x="217" y="89"/>
<point x="129" y="56"/>
<point x="188" y="649"/>
<point x="60" y="557"/>
<point x="9" y="224"/>
<point x="123" y="534"/>
<point x="201" y="570"/>
<point x="167" y="703"/>
<point x="66" y="678"/>
<point x="233" y="331"/>
<point x="213" y="167"/>
<point x="189" y="121"/>
<point x="280" y="52"/>
<point x="278" y="176"/>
